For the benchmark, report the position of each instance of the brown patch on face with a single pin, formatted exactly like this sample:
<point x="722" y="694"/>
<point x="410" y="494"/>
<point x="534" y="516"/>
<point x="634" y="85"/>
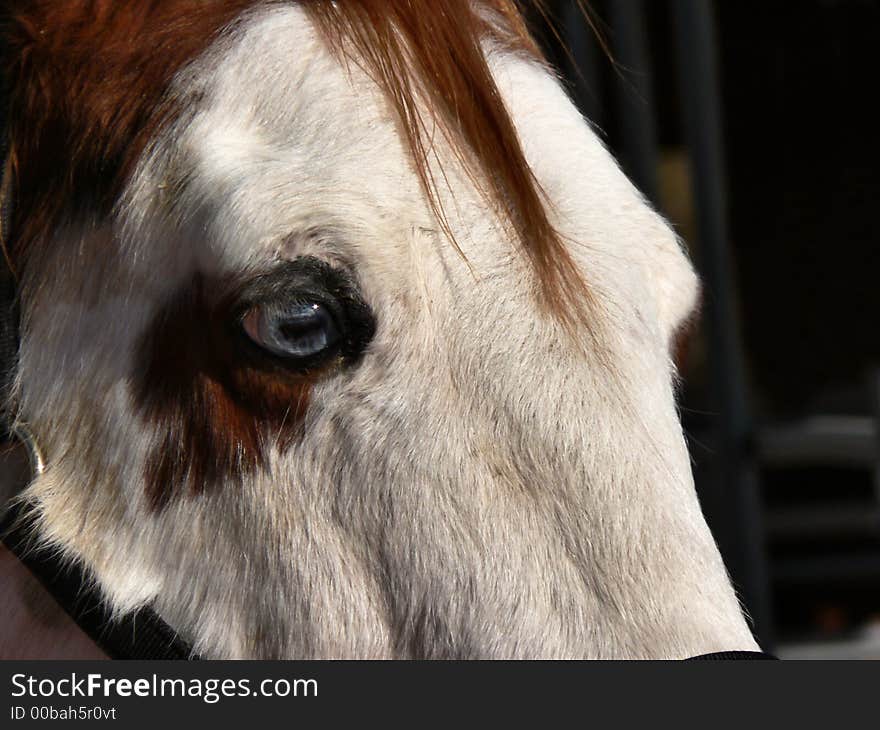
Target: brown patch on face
<point x="219" y="407"/>
<point x="86" y="81"/>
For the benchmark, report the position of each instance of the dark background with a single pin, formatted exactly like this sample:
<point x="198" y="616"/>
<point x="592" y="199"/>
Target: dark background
<point x="752" y="126"/>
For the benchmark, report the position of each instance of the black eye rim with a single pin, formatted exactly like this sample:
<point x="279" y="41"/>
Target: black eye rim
<point x="308" y="280"/>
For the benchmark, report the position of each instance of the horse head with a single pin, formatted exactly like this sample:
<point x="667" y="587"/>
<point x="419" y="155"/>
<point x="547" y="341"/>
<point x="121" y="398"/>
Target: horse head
<point x="343" y="335"/>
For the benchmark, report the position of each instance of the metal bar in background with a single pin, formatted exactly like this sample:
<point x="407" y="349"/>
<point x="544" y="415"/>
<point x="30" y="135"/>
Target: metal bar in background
<point x="582" y="64"/>
<point x="634" y="95"/>
<point x="743" y="542"/>
<point x="874" y="385"/>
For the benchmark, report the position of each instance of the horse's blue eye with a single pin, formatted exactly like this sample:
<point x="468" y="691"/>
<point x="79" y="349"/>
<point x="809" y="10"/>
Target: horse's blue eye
<point x="295" y="331"/>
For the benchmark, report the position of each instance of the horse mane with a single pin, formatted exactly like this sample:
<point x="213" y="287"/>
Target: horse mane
<point x="434" y="49"/>
<point x="88" y="82"/>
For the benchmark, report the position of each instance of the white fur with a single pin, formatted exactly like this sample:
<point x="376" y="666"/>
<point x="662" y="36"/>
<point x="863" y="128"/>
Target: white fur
<point x="477" y="486"/>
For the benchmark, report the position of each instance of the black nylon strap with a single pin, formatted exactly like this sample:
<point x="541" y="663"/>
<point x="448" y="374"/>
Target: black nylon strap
<point x="728" y="655"/>
<point x="142" y="635"/>
<point x="8" y="338"/>
<point x="8" y="284"/>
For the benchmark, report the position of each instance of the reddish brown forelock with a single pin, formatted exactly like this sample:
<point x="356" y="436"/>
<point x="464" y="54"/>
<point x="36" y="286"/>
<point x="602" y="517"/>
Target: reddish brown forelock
<point x="86" y="80"/>
<point x="220" y="415"/>
<point x="432" y="51"/>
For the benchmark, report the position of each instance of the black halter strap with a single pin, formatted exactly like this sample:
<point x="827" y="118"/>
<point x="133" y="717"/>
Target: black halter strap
<point x="139" y="635"/>
<point x="728" y="655"/>
<point x="8" y="288"/>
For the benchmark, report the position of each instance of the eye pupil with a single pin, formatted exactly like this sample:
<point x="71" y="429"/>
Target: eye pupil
<point x="300" y="321"/>
<point x="297" y="331"/>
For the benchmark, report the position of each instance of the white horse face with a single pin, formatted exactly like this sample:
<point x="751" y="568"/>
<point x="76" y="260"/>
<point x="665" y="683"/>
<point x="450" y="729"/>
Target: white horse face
<point x="276" y="402"/>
